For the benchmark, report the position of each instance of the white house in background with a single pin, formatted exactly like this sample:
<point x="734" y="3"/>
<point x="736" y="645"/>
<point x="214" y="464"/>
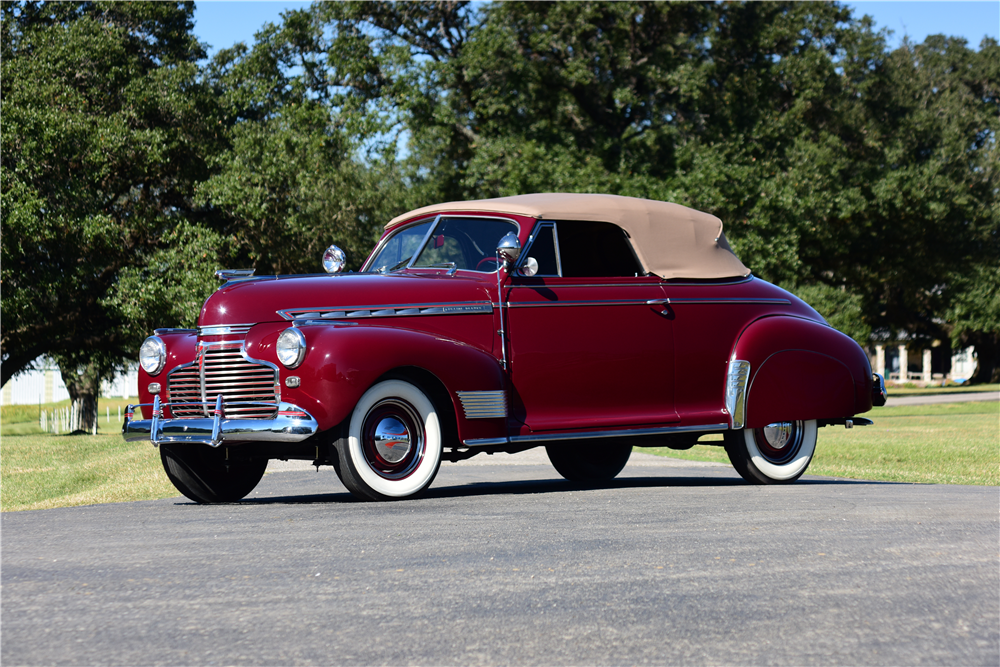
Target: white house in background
<point x="906" y="362"/>
<point x="44" y="384"/>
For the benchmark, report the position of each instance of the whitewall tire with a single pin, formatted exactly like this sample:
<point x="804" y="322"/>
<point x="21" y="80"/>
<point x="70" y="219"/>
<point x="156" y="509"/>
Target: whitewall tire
<point x="393" y="444"/>
<point x="776" y="454"/>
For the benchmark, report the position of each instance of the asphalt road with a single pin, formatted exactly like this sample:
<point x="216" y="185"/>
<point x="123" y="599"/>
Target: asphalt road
<point x="928" y="399"/>
<point x="503" y="563"/>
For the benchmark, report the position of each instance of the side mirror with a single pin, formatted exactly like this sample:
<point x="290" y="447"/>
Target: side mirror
<point x="334" y="259"/>
<point x="529" y="267"/>
<point x="509" y="248"/>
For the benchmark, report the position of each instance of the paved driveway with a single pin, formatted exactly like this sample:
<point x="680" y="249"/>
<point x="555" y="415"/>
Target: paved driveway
<point x="942" y="398"/>
<point x="503" y="563"/>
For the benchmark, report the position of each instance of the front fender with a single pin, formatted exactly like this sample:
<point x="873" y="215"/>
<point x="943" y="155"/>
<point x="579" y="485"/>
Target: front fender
<point x="802" y="369"/>
<point x="342" y="362"/>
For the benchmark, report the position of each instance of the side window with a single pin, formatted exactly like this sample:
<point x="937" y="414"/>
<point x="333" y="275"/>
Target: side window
<point x="543" y="248"/>
<point x="595" y="250"/>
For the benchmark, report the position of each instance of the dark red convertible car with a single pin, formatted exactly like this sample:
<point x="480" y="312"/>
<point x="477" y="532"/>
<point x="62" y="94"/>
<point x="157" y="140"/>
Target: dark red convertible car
<point x="587" y="324"/>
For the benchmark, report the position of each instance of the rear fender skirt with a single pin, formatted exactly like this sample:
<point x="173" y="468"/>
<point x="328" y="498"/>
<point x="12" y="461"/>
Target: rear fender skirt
<point x="801" y="369"/>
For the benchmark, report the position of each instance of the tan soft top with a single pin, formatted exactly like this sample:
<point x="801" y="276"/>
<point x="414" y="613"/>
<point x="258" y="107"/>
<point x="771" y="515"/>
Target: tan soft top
<point x="671" y="241"/>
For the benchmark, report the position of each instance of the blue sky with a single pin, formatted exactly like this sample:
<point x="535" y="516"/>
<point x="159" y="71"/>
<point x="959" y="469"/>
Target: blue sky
<point x="222" y="23"/>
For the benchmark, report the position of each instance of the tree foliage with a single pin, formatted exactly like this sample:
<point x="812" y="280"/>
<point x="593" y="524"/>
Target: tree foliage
<point x="105" y="131"/>
<point x="860" y="177"/>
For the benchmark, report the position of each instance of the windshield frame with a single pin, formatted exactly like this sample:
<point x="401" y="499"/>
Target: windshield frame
<point x="435" y="221"/>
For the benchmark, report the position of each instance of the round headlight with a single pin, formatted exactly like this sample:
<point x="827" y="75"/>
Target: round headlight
<point x="152" y="355"/>
<point x="291" y="347"/>
<point x="334" y="259"/>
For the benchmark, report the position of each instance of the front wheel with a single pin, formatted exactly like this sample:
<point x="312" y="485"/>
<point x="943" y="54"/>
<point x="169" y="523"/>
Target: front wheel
<point x="204" y="475"/>
<point x="393" y="446"/>
<point x="777" y="454"/>
<point x="589" y="462"/>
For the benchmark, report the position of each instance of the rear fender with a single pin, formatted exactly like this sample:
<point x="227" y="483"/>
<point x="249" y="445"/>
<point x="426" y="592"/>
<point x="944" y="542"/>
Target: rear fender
<point x="802" y="369"/>
<point x="341" y="363"/>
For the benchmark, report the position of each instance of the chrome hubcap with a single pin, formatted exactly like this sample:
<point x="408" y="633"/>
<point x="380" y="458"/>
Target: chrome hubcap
<point x="778" y="435"/>
<point x="392" y="440"/>
<point x="779" y="442"/>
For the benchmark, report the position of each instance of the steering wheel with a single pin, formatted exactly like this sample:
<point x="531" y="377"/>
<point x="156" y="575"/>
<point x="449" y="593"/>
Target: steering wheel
<point x="486" y="260"/>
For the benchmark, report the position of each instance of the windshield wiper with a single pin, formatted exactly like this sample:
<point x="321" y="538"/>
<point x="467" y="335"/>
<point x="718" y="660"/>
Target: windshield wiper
<point x="401" y="265"/>
<point x="451" y="266"/>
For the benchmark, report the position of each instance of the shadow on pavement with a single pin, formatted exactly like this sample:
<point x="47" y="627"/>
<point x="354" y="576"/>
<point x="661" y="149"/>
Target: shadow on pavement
<point x="548" y="486"/>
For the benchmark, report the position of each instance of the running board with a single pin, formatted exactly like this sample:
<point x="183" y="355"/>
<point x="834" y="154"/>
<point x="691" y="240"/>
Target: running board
<point x="595" y="435"/>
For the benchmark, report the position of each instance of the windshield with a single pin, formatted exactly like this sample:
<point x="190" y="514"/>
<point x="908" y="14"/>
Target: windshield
<point x="400" y="247"/>
<point x="465" y="243"/>
<point x="455" y="243"/>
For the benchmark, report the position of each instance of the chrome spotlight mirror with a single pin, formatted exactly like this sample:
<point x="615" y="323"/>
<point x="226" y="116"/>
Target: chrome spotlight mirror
<point x="334" y="260"/>
<point x="509" y="248"/>
<point x="530" y="267"/>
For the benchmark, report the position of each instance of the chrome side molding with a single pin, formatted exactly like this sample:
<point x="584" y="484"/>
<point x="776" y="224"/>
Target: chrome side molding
<point x="594" y="435"/>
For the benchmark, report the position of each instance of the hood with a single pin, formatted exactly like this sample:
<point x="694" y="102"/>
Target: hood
<point x="267" y="299"/>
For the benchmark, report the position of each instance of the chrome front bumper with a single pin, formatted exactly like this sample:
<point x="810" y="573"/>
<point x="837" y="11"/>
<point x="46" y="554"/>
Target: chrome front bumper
<point x="290" y="424"/>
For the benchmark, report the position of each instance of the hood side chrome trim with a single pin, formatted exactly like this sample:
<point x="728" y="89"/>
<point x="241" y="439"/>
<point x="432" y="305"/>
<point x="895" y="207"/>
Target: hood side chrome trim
<point x="392" y="310"/>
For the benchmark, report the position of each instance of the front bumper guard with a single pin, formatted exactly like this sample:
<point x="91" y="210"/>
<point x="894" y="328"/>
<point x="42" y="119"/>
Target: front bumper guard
<point x="290" y="424"/>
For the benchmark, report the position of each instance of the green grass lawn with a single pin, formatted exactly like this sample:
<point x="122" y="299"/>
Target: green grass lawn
<point x="23" y="419"/>
<point x="43" y="471"/>
<point x="948" y="443"/>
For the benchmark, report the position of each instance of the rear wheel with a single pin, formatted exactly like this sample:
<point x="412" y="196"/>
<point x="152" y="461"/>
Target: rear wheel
<point x="589" y="462"/>
<point x="203" y="474"/>
<point x="393" y="445"/>
<point x="777" y="454"/>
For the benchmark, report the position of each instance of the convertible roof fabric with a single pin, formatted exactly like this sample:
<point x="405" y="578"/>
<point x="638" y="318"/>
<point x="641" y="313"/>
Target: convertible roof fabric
<point x="671" y="241"/>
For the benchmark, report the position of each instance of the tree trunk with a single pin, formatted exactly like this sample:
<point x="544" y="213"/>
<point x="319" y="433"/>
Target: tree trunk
<point x="987" y="346"/>
<point x="84" y="386"/>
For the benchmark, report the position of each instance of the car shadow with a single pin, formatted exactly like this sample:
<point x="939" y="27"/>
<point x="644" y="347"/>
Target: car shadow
<point x="544" y="486"/>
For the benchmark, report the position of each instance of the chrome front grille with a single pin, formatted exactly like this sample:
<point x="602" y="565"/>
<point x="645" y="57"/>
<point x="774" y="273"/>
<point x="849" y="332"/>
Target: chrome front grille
<point x="222" y="369"/>
<point x="184" y="386"/>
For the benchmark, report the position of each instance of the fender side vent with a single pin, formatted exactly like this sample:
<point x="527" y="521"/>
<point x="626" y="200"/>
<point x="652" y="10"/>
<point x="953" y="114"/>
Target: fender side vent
<point x="483" y="404"/>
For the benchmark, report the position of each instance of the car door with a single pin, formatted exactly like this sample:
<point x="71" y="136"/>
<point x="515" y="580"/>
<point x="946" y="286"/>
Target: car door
<point x="590" y="339"/>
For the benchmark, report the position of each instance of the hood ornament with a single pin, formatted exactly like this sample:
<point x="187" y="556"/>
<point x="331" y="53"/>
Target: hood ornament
<point x="226" y="275"/>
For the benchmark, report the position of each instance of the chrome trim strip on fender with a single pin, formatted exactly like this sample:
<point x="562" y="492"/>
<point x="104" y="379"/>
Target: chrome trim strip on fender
<point x="565" y="304"/>
<point x="736" y="392"/>
<point x="593" y="435"/>
<point x="391" y="310"/>
<point x="636" y="302"/>
<point x="483" y="404"/>
<point x="720" y="301"/>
